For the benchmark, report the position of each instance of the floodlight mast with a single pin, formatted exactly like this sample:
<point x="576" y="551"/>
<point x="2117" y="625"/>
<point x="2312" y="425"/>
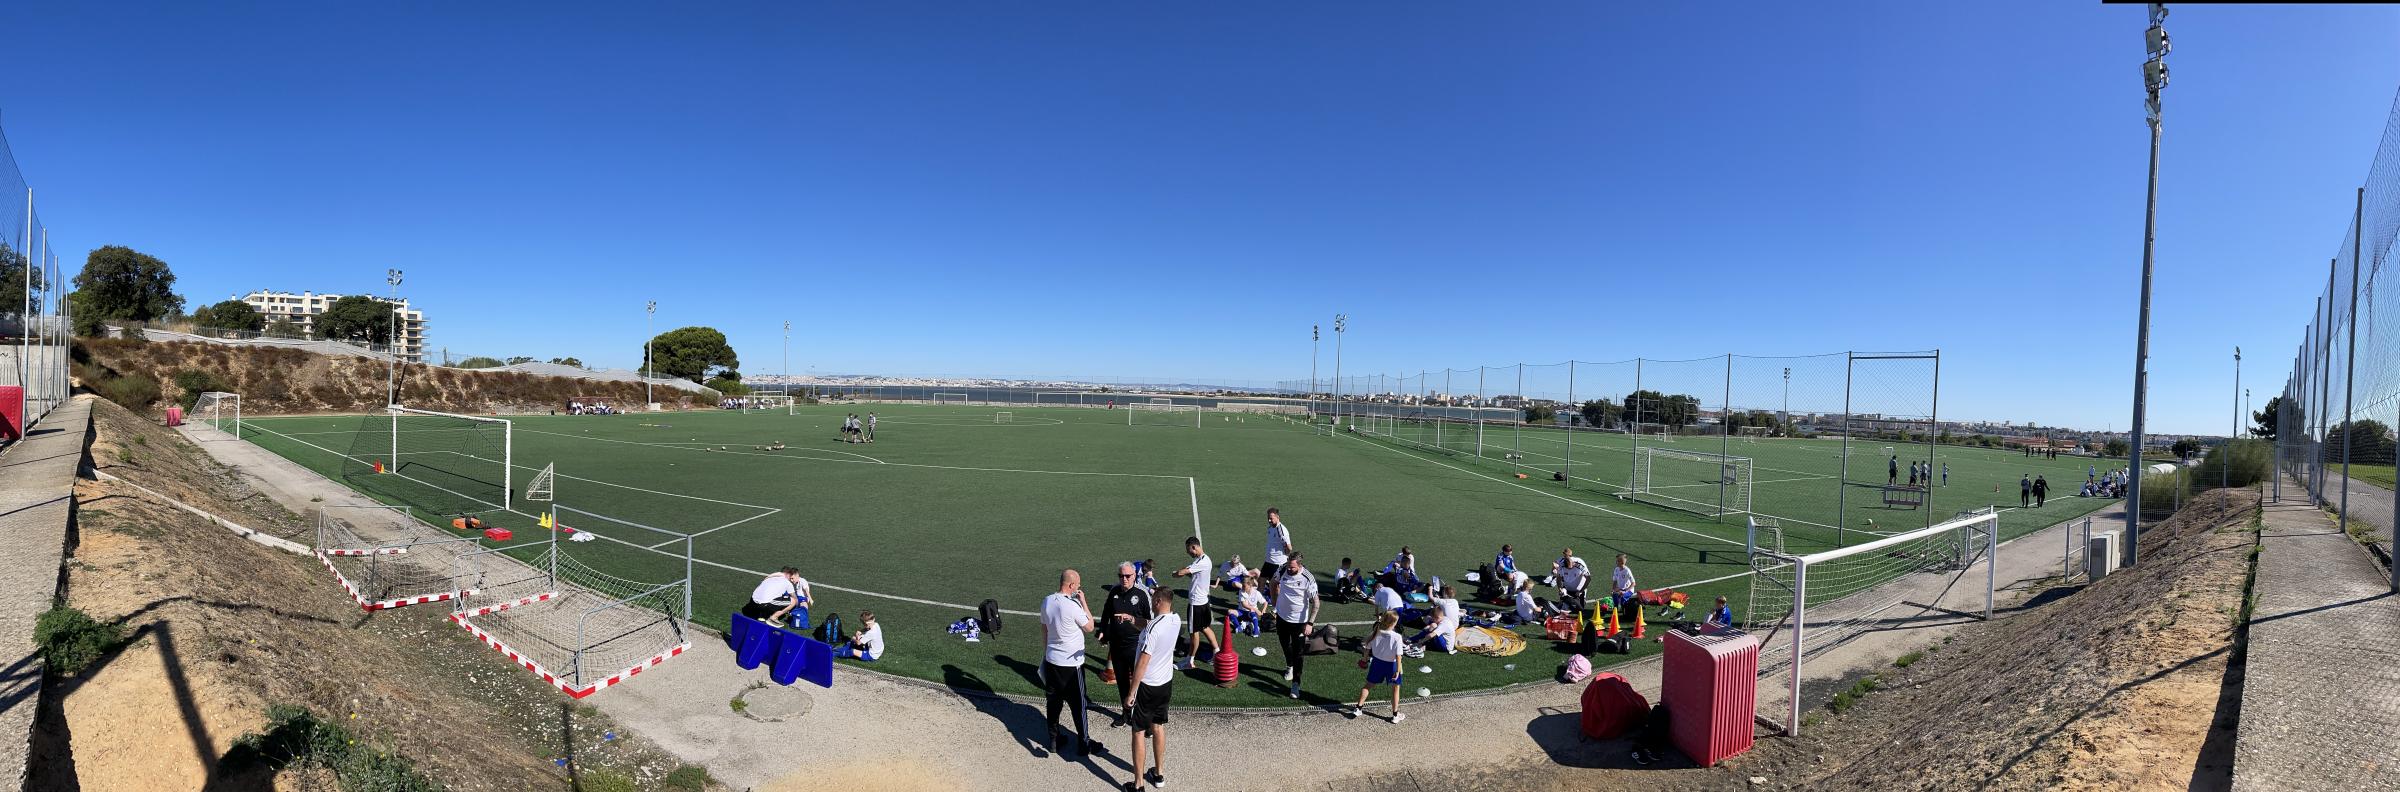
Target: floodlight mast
<point x="648" y="324"/>
<point x="391" y="347"/>
<point x="2154" y="80"/>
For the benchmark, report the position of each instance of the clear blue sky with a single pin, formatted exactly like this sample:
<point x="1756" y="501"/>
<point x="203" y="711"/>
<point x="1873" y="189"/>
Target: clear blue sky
<point x="1151" y="190"/>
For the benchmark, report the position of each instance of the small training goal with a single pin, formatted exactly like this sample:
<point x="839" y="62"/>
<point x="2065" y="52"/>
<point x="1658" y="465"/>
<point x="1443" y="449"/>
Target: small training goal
<point x="1003" y="416"/>
<point x="1711" y="485"/>
<point x="1155" y="414"/>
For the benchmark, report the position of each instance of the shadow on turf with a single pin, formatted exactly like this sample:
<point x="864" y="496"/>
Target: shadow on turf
<point x="1025" y="722"/>
<point x="1560" y="734"/>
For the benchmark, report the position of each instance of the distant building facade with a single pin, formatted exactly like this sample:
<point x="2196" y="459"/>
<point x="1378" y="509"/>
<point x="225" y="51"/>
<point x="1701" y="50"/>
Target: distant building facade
<point x="303" y="308"/>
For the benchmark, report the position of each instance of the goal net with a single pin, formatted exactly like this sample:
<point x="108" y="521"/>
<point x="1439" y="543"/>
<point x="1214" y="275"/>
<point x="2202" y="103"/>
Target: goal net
<point x="583" y="629"/>
<point x="544" y="486"/>
<point x="1162" y="415"/>
<point x="384" y="559"/>
<point x="219" y="409"/>
<point x="1803" y="605"/>
<point x="1003" y="416"/>
<point x="440" y="463"/>
<point x="762" y="403"/>
<point x="949" y="398"/>
<point x="1713" y="485"/>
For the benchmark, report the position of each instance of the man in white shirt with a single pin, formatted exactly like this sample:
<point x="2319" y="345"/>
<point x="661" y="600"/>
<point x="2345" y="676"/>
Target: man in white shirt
<point x="1146" y="706"/>
<point x="1296" y="605"/>
<point x="1066" y="619"/>
<point x="1572" y="576"/>
<point x="1197" y="608"/>
<point x="784" y="587"/>
<point x="1279" y="547"/>
<point x="870" y="427"/>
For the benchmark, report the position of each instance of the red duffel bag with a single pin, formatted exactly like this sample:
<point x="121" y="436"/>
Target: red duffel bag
<point x="1611" y="707"/>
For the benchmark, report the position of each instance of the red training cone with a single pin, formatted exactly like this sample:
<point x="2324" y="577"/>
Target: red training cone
<point x="1229" y="665"/>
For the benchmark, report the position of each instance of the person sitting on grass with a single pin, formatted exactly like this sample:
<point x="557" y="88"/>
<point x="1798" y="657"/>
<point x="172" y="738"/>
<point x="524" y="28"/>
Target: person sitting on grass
<point x="1529" y="610"/>
<point x="867" y="644"/>
<point x="1246" y="611"/>
<point x="1235" y="574"/>
<point x="1506" y="562"/>
<point x="1720" y="618"/>
<point x="1403" y="569"/>
<point x="1346" y="583"/>
<point x="1387" y="596"/>
<point x="1442" y="631"/>
<point x="1383" y="665"/>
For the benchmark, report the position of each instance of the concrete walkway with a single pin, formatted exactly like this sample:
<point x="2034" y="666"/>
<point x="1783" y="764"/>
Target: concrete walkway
<point x="37" y="494"/>
<point x="2321" y="696"/>
<point x="2369" y="502"/>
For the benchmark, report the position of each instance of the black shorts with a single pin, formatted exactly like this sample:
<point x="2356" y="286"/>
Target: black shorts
<point x="1197" y="616"/>
<point x="1150" y="706"/>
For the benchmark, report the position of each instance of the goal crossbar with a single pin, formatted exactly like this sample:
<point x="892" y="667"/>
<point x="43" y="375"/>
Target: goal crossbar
<point x="507" y="460"/>
<point x="1134" y="409"/>
<point x="1704" y="483"/>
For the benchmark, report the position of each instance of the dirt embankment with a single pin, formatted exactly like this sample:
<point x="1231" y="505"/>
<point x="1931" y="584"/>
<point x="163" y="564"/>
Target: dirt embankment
<point x="274" y="380"/>
<point x="2123" y="684"/>
<point x="221" y="628"/>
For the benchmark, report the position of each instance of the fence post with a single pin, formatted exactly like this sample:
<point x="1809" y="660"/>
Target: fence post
<point x="2350" y="352"/>
<point x="1841" y="510"/>
<point x="1724" y="434"/>
<point x="1578" y="408"/>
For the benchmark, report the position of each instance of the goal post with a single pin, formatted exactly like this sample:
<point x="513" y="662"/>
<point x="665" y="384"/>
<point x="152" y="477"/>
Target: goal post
<point x="1003" y="416"/>
<point x="1804" y="604"/>
<point x="766" y="402"/>
<point x="221" y="410"/>
<point x="1708" y="484"/>
<point x="949" y="398"/>
<point x="439" y="462"/>
<point x="1141" y="414"/>
<point x="544" y="486"/>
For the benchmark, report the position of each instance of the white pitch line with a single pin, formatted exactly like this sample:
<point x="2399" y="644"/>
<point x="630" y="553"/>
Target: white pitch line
<point x="1194" y="485"/>
<point x="1601" y="509"/>
<point x="878" y="462"/>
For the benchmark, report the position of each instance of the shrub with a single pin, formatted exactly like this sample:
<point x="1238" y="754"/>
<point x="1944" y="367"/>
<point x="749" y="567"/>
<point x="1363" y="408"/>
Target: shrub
<point x="605" y="781"/>
<point x="135" y="392"/>
<point x="688" y="778"/>
<point x="2240" y="463"/>
<point x="296" y="737"/>
<point x="70" y="640"/>
<point x="194" y="382"/>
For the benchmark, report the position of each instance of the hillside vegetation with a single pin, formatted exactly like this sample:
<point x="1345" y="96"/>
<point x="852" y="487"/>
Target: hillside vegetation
<point x="143" y="375"/>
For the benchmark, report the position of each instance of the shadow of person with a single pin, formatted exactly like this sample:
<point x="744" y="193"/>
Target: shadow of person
<point x="1025" y="722"/>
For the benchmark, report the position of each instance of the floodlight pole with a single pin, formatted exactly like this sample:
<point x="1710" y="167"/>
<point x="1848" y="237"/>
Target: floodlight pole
<point x="1341" y="325"/>
<point x="1315" y="335"/>
<point x="391" y="346"/>
<point x="649" y="324"/>
<point x="2154" y="80"/>
<point x="787" y="361"/>
<point x="2225" y="465"/>
<point x="1787" y="400"/>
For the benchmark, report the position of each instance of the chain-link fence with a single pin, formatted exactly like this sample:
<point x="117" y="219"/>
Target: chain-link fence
<point x="2332" y="425"/>
<point x="34" y="331"/>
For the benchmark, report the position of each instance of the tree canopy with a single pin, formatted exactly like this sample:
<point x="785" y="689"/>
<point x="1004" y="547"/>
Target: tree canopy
<point x="12" y="279"/>
<point x="229" y="315"/>
<point x="2366" y="440"/>
<point x="480" y="362"/>
<point x="1599" y="412"/>
<point x="2115" y="447"/>
<point x="2184" y="448"/>
<point x="119" y="283"/>
<point x="1539" y="413"/>
<point x="357" y="318"/>
<point x="568" y="361"/>
<point x="2264" y="421"/>
<point x="1649" y="406"/>
<point x="692" y="353"/>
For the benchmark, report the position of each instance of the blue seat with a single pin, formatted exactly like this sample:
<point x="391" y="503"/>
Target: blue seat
<point x="753" y="641"/>
<point x="799" y="657"/>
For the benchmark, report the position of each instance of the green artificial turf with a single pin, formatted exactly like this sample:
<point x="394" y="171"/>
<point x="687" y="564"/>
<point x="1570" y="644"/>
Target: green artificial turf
<point x="949" y="507"/>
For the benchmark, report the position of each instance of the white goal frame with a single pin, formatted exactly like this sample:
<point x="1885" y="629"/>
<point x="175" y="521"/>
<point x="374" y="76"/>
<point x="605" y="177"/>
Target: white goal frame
<point x="1138" y="407"/>
<point x="211" y="408"/>
<point x="958" y="398"/>
<point x="1004" y="417"/>
<point x="508" y="451"/>
<point x="544" y="486"/>
<point x="769" y="401"/>
<point x="1067" y="398"/>
<point x="1733" y="491"/>
<point x="1825" y="613"/>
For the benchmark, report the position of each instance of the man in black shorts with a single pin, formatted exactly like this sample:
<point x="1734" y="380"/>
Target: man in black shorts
<point x="1121" y="623"/>
<point x="1146" y="705"/>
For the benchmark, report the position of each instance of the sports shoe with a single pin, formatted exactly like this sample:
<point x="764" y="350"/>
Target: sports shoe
<point x="1351" y="712"/>
<point x="1287" y="673"/>
<point x="1155" y="778"/>
<point x="1093" y="748"/>
<point x="1399" y="716"/>
<point x="1108" y="676"/>
<point x="1295" y="690"/>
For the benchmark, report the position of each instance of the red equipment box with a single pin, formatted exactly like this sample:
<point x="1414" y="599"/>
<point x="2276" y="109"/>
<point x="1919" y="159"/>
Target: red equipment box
<point x="1711" y="683"/>
<point x="174" y="416"/>
<point x="503" y="534"/>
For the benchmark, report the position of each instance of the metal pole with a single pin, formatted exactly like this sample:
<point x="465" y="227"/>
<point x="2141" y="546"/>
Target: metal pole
<point x="1341" y="326"/>
<point x="1791" y="723"/>
<point x="1724" y="434"/>
<point x="1520" y="426"/>
<point x="1313" y="342"/>
<point x="1933" y="452"/>
<point x="2350" y="353"/>
<point x="787" y="394"/>
<point x="1578" y="408"/>
<point x="2154" y="80"/>
<point x="26" y="246"/>
<point x="649" y="328"/>
<point x="2225" y="464"/>
<point x="1841" y="498"/>
<point x="1635" y="430"/>
<point x="1479" y="402"/>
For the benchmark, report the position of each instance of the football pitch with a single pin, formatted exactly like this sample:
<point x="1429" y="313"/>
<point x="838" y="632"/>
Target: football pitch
<point x="951" y="506"/>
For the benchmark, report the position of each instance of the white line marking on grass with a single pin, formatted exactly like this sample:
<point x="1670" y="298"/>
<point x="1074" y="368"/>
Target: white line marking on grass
<point x="394" y="472"/>
<point x="1194" y="485"/>
<point x="813" y="583"/>
<point x="1601" y="509"/>
<point x="877" y="461"/>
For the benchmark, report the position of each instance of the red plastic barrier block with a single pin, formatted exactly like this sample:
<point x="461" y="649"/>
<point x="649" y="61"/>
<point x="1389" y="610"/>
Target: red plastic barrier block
<point x="12" y="412"/>
<point x="1711" y="683"/>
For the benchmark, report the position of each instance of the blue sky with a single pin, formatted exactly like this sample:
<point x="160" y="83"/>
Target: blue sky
<point x="1143" y="190"/>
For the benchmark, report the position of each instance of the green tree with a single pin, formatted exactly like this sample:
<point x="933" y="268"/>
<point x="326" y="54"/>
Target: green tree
<point x="480" y="362"/>
<point x="567" y="361"/>
<point x="357" y="318"/>
<point x="2263" y="422"/>
<point x="123" y="285"/>
<point x="2184" y="448"/>
<point x="1540" y="413"/>
<point x="2115" y="447"/>
<point x="1649" y="406"/>
<point x="12" y="279"/>
<point x="229" y="315"/>
<point x="284" y="328"/>
<point x="1599" y="412"/>
<point x="729" y="385"/>
<point x="516" y="359"/>
<point x="692" y="353"/>
<point x="2368" y="441"/>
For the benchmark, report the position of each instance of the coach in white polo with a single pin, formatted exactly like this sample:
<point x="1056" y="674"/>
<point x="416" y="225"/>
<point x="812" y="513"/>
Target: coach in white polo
<point x="1295" y="611"/>
<point x="1066" y="619"/>
<point x="785" y="587"/>
<point x="1279" y="547"/>
<point x="1573" y="575"/>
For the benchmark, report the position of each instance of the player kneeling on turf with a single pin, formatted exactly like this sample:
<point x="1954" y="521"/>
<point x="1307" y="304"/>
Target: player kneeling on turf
<point x="867" y="644"/>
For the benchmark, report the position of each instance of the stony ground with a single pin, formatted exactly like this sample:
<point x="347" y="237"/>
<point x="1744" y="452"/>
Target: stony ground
<point x="224" y="627"/>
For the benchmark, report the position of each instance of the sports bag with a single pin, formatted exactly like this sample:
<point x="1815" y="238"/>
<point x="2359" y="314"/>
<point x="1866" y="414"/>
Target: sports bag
<point x="988" y="615"/>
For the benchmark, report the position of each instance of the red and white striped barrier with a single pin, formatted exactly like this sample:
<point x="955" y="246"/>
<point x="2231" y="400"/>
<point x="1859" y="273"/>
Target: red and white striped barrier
<point x="563" y="686"/>
<point x="344" y="551"/>
<point x="375" y="605"/>
<point x="542" y="597"/>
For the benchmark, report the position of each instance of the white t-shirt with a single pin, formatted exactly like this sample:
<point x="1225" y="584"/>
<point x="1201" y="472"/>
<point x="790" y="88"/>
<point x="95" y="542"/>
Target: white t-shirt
<point x="1234" y="569"/>
<point x="1571" y="576"/>
<point x="873" y="638"/>
<point x="1199" y="569"/>
<point x="1621" y="579"/>
<point x="1525" y="609"/>
<point x="1447" y="623"/>
<point x="1386" y="598"/>
<point x="1063" y="620"/>
<point x="1385" y="646"/>
<point x="773" y="588"/>
<point x="1293" y="593"/>
<point x="1253" y="601"/>
<point x="1159" y="640"/>
<point x="1279" y="536"/>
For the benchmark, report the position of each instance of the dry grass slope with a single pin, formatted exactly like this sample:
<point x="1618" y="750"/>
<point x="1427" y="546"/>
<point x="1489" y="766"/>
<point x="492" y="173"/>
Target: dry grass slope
<point x="277" y="381"/>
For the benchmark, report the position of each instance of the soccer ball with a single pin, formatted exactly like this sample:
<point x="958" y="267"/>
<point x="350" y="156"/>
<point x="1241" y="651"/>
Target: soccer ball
<point x="1260" y="651"/>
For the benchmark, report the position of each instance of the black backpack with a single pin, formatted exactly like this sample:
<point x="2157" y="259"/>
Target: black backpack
<point x="830" y="630"/>
<point x="987" y="615"/>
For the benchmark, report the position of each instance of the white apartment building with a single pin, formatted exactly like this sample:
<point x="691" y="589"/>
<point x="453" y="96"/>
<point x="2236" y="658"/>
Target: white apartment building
<point x="302" y="309"/>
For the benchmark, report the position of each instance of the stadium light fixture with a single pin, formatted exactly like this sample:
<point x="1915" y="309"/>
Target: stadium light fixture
<point x="391" y="343"/>
<point x="649" y="324"/>
<point x="1341" y="324"/>
<point x="2154" y="80"/>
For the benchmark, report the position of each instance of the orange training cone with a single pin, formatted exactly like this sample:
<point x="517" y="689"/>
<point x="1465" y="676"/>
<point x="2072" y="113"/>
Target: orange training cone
<point x="1637" y="620"/>
<point x="378" y="466"/>
<point x="1612" y="622"/>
